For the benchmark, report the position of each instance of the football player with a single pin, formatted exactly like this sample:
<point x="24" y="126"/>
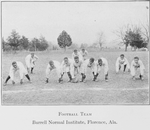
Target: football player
<point x="53" y="65"/>
<point x="17" y="66"/>
<point x="66" y="68"/>
<point x="122" y="62"/>
<point x="137" y="65"/>
<point x="84" y="54"/>
<point x="102" y="63"/>
<point x="30" y="62"/>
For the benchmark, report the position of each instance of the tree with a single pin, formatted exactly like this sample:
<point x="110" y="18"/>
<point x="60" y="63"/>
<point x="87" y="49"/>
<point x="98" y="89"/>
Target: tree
<point x="14" y="40"/>
<point x="43" y="44"/>
<point x="121" y="33"/>
<point x="145" y="34"/>
<point x="24" y="43"/>
<point x="64" y="40"/>
<point x="34" y="43"/>
<point x="3" y="44"/>
<point x="40" y="44"/>
<point x="134" y="38"/>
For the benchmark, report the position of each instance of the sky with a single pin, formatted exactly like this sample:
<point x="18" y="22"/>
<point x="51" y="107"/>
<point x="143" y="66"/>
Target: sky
<point x="83" y="21"/>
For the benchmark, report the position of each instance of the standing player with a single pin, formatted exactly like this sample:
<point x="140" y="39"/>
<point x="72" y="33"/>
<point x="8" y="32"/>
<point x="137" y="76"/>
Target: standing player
<point x="122" y="62"/>
<point x="53" y="65"/>
<point x="84" y="54"/>
<point x="137" y="65"/>
<point x="30" y="62"/>
<point x="66" y="68"/>
<point x="17" y="66"/>
<point x="102" y="63"/>
<point x="76" y="68"/>
<point x="76" y="53"/>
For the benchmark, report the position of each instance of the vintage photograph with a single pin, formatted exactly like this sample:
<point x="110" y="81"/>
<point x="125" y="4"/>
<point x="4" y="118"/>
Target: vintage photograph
<point x="75" y="53"/>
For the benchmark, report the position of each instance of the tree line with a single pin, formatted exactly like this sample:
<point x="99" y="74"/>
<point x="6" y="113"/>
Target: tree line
<point x="16" y="42"/>
<point x="130" y="35"/>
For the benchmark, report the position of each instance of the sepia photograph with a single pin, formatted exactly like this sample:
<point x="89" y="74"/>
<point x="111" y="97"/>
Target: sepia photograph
<point x="74" y="53"/>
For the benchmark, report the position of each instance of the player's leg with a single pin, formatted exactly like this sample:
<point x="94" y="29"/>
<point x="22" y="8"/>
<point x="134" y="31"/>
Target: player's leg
<point x="47" y="75"/>
<point x="12" y="75"/>
<point x="141" y="73"/>
<point x="59" y="74"/>
<point x="83" y="77"/>
<point x="70" y="77"/>
<point x="32" y="70"/>
<point x="83" y="69"/>
<point x="28" y="65"/>
<point x="106" y="73"/>
<point x="74" y="75"/>
<point x="124" y="69"/>
<point x="133" y="71"/>
<point x="96" y="72"/>
<point x="6" y="80"/>
<point x="67" y="70"/>
<point x="118" y="67"/>
<point x="32" y="66"/>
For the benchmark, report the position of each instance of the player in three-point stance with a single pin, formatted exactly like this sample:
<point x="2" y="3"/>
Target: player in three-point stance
<point x="137" y="65"/>
<point x="102" y="63"/>
<point x="30" y="62"/>
<point x="90" y="63"/>
<point x="84" y="54"/>
<point x="66" y="68"/>
<point x="53" y="65"/>
<point x="122" y="62"/>
<point x="17" y="66"/>
<point x="76" y="68"/>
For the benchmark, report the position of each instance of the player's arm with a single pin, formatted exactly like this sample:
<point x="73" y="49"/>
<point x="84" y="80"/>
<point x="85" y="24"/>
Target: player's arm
<point x="117" y="61"/>
<point x="141" y="64"/>
<point x="36" y="57"/>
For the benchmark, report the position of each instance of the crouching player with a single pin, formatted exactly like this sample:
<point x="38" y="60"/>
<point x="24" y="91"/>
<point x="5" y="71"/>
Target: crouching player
<point x="66" y="68"/>
<point x="122" y="62"/>
<point x="137" y="65"/>
<point x="102" y="63"/>
<point x="30" y="62"/>
<point x="17" y="66"/>
<point x="90" y="63"/>
<point x="76" y="68"/>
<point x="53" y="65"/>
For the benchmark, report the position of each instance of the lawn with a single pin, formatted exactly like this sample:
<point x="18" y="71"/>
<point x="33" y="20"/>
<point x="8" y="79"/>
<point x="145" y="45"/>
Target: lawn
<point x="120" y="89"/>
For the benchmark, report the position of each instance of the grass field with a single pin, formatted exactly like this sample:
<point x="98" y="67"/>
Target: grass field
<point x="120" y="89"/>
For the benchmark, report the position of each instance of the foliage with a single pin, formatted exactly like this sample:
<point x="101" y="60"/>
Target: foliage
<point x="14" y="40"/>
<point x="64" y="40"/>
<point x="24" y="42"/>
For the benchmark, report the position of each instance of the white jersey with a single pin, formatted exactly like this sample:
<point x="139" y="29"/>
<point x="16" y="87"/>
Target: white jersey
<point x="76" y="68"/>
<point x="20" y="68"/>
<point x="78" y="54"/>
<point x="123" y="61"/>
<point x="84" y="54"/>
<point x="57" y="67"/>
<point x="66" y="67"/>
<point x="104" y="65"/>
<point x="86" y="64"/>
<point x="137" y="65"/>
<point x="30" y="62"/>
